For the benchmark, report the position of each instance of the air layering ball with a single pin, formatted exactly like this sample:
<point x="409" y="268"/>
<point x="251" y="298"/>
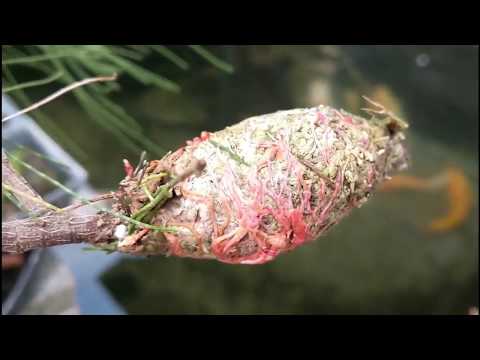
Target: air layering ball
<point x="267" y="185"/>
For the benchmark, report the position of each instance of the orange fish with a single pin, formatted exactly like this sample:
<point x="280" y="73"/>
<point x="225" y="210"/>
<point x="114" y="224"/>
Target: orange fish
<point x="459" y="192"/>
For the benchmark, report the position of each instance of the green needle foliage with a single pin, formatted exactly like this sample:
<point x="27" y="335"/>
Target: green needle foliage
<point x="65" y="64"/>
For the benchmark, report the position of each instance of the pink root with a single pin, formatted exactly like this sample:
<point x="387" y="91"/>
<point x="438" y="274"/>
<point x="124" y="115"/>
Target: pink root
<point x="262" y="258"/>
<point x="128" y="168"/>
<point x="293" y="229"/>
<point x="339" y="114"/>
<point x="300" y="231"/>
<point x="191" y="228"/>
<point x="205" y="200"/>
<point x="326" y="154"/>
<point x="175" y="248"/>
<point x="321" y="119"/>
<point x="348" y="120"/>
<point x="228" y="211"/>
<point x="239" y="235"/>
<point x="204" y="135"/>
<point x="217" y="248"/>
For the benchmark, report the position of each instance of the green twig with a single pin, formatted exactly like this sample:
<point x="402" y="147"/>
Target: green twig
<point x="153" y="177"/>
<point x="234" y="156"/>
<point x="146" y="191"/>
<point x="164" y="192"/>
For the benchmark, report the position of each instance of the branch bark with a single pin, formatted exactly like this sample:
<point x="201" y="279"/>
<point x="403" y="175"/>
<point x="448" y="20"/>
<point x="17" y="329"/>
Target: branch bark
<point x="51" y="228"/>
<point x="16" y="181"/>
<point x="54" y="229"/>
<point x="46" y="227"/>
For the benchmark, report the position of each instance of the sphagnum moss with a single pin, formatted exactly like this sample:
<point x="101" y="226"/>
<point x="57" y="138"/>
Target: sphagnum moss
<point x="267" y="185"/>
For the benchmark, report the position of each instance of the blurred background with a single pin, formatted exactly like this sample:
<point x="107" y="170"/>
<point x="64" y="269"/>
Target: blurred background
<point x="382" y="259"/>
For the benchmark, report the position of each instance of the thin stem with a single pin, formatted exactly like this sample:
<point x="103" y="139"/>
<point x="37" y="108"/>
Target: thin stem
<point x="153" y="177"/>
<point x="146" y="191"/>
<point x="60" y="93"/>
<point x="234" y="156"/>
<point x="91" y="201"/>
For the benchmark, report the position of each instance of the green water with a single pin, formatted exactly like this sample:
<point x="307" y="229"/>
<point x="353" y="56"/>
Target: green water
<point x="378" y="260"/>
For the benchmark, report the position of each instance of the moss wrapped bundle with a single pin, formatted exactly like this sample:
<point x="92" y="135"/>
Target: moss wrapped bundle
<point x="263" y="187"/>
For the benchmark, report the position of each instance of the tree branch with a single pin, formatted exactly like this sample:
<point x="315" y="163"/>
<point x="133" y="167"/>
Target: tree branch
<point x="53" y="229"/>
<point x="65" y="226"/>
<point x="49" y="228"/>
<point x="16" y="181"/>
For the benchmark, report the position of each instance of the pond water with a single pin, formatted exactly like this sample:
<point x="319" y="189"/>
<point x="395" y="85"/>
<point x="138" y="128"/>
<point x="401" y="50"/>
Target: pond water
<point x="378" y="260"/>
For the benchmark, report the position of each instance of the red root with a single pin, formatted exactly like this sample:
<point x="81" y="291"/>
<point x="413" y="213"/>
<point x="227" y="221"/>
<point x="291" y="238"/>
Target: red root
<point x="175" y="248"/>
<point x="204" y="135"/>
<point x="293" y="229"/>
<point x="228" y="212"/>
<point x="196" y="235"/>
<point x="348" y="120"/>
<point x="269" y="197"/>
<point x="207" y="201"/>
<point x="321" y="119"/>
<point x="276" y="183"/>
<point x="128" y="168"/>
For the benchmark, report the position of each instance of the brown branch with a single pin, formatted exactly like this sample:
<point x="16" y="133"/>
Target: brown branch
<point x="47" y="227"/>
<point x="64" y="226"/>
<point x="54" y="229"/>
<point x="16" y="181"/>
<point x="91" y="201"/>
